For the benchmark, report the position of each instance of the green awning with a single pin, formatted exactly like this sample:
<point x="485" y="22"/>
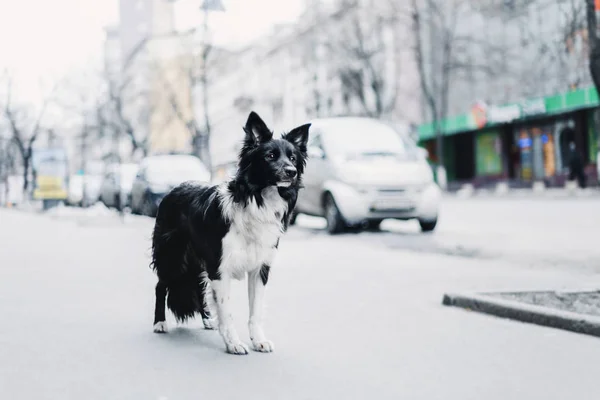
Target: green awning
<point x="547" y="106"/>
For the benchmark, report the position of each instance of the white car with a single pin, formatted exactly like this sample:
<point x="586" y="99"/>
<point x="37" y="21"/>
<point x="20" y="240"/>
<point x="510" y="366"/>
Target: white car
<point x="117" y="184"/>
<point x="158" y="175"/>
<point x="361" y="171"/>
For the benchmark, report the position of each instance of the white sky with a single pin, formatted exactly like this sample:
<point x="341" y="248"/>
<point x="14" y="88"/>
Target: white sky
<point x="43" y="39"/>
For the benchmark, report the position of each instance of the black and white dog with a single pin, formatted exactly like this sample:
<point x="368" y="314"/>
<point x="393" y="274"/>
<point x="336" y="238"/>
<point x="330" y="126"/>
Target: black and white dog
<point x="206" y="236"/>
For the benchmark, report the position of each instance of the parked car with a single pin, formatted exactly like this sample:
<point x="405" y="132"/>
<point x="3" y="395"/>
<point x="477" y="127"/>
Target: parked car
<point x="117" y="184"/>
<point x="361" y="171"/>
<point x="157" y="175"/>
<point x="75" y="195"/>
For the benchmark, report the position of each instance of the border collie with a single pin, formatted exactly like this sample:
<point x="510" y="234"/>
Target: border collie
<point x="206" y="236"/>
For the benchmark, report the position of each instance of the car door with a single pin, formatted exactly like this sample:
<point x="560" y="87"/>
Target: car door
<point x="314" y="176"/>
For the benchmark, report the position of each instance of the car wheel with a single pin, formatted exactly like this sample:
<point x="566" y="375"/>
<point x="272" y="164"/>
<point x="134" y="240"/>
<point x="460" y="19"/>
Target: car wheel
<point x="117" y="202"/>
<point x="373" y="224"/>
<point x="335" y="221"/>
<point x="428" y="226"/>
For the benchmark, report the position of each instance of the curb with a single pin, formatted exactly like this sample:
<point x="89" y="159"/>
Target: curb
<point x="525" y="194"/>
<point x="529" y="313"/>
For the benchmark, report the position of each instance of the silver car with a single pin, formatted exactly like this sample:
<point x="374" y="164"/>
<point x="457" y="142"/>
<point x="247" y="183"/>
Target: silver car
<point x="158" y="174"/>
<point x="361" y="171"/>
<point x="116" y="186"/>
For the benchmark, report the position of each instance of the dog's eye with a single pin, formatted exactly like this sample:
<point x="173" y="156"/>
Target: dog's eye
<point x="293" y="158"/>
<point x="271" y="156"/>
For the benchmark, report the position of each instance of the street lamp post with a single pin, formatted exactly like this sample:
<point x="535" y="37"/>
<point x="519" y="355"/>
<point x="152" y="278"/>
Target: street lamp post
<point x="207" y="6"/>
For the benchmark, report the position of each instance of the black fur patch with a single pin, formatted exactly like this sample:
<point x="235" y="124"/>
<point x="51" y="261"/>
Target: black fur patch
<point x="264" y="274"/>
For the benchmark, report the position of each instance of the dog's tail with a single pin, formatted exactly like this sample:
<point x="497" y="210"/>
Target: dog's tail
<point x="185" y="297"/>
<point x="175" y="262"/>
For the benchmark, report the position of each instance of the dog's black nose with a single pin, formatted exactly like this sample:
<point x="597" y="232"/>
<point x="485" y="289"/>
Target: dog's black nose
<point x="290" y="172"/>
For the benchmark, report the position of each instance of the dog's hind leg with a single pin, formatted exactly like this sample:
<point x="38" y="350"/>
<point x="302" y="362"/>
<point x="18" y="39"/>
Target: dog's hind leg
<point x="222" y="287"/>
<point x="205" y="311"/>
<point x="257" y="280"/>
<point x="160" y="323"/>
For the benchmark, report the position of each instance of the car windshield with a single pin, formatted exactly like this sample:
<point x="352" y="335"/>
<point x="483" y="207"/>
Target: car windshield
<point x="359" y="139"/>
<point x="171" y="169"/>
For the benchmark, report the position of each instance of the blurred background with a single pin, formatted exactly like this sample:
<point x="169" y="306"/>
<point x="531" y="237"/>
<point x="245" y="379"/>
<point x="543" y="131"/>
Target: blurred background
<point x="495" y="92"/>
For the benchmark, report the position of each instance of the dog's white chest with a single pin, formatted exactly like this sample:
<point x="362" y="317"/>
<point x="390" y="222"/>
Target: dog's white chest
<point x="253" y="236"/>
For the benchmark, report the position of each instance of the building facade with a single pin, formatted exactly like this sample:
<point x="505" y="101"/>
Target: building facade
<point x="155" y="75"/>
<point x="313" y="69"/>
<point x="523" y="92"/>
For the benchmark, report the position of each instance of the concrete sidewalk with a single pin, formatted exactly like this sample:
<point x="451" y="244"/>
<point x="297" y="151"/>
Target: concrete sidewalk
<point x="537" y="191"/>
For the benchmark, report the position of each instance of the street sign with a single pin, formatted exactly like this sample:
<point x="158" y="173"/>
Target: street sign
<point x="51" y="170"/>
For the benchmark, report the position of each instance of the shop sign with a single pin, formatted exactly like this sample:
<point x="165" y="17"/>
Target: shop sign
<point x="533" y="107"/>
<point x="503" y="114"/>
<point x="479" y="112"/>
<point x="51" y="171"/>
<point x="484" y="114"/>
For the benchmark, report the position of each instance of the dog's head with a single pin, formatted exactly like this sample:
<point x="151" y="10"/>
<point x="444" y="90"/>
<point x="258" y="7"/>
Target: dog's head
<point x="265" y="161"/>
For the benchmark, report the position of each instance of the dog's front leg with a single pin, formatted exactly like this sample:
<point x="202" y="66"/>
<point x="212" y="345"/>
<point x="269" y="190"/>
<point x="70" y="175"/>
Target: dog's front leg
<point x="256" y="294"/>
<point x="221" y="289"/>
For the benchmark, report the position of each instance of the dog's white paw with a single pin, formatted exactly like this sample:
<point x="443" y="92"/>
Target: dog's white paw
<point x="238" y="348"/>
<point x="209" y="323"/>
<point x="161" y="327"/>
<point x="266" y="346"/>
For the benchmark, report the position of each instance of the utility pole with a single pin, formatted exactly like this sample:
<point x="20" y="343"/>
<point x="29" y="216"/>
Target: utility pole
<point x="204" y="82"/>
<point x="207" y="6"/>
<point x="83" y="163"/>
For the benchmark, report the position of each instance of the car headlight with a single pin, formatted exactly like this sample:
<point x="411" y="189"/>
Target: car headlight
<point x="362" y="189"/>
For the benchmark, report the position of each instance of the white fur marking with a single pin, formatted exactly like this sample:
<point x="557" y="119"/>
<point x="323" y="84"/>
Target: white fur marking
<point x="222" y="291"/>
<point x="209" y="323"/>
<point x="249" y="244"/>
<point x="256" y="293"/>
<point x="254" y="231"/>
<point x="161" y="327"/>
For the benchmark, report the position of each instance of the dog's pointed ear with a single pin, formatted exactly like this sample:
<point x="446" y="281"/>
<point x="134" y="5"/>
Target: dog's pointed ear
<point x="298" y="137"/>
<point x="256" y="130"/>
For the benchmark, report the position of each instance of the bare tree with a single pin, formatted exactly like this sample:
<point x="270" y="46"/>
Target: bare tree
<point x="114" y="117"/>
<point x="443" y="51"/>
<point x="7" y="164"/>
<point x="25" y="125"/>
<point x="594" y="42"/>
<point x="551" y="51"/>
<point x="362" y="45"/>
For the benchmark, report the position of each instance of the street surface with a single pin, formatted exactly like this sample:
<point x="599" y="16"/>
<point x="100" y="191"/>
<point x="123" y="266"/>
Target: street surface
<point x="355" y="316"/>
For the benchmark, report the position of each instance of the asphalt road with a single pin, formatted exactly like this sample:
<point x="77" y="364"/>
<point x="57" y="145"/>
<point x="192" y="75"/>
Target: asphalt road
<point x="354" y="316"/>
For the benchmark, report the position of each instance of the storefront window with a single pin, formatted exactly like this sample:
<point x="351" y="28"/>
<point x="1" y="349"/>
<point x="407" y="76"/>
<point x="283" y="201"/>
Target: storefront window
<point x="544" y="162"/>
<point x="524" y="143"/>
<point x="488" y="153"/>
